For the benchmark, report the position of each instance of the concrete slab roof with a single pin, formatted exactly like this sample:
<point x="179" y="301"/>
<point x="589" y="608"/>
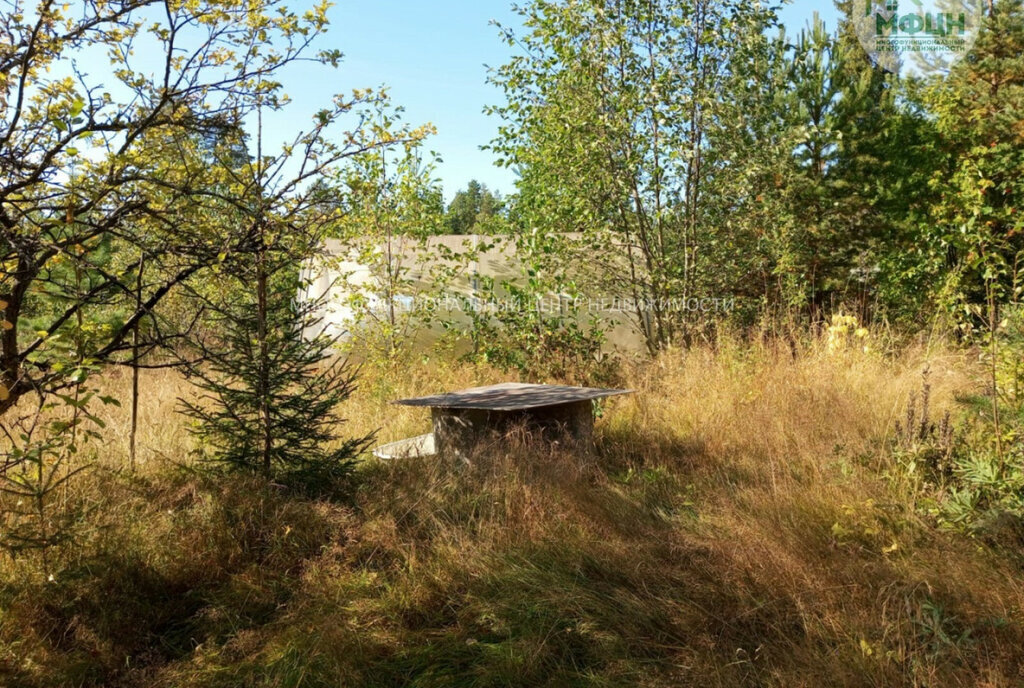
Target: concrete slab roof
<point x="512" y="396"/>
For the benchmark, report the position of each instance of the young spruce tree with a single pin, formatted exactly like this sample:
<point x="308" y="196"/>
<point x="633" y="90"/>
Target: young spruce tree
<point x="270" y="387"/>
<point x="269" y="390"/>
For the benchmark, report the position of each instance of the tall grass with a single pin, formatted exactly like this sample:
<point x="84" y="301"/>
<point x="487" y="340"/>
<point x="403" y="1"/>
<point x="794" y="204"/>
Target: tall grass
<point x="737" y="524"/>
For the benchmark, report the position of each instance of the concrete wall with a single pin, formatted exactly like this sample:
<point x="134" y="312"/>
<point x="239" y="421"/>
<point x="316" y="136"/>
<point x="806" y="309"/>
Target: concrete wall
<point x="344" y="269"/>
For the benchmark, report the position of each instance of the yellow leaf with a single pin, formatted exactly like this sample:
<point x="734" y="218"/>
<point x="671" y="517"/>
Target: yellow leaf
<point x="4" y="393"/>
<point x="6" y="325"/>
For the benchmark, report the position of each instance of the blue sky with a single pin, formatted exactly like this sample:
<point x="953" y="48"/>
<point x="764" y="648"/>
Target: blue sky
<point x="432" y="55"/>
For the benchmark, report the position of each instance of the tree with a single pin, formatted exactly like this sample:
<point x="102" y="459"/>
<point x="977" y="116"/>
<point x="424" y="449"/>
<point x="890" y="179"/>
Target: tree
<point x="474" y="210"/>
<point x="976" y="192"/>
<point x="270" y="392"/>
<point x="536" y="322"/>
<point x="611" y="108"/>
<point x="827" y="166"/>
<point x="271" y="388"/>
<point x="885" y="153"/>
<point x="389" y="204"/>
<point x="977" y="226"/>
<point x="104" y="173"/>
<point x="80" y="194"/>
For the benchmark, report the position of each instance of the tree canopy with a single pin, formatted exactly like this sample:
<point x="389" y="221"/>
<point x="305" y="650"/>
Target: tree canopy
<point x="474" y="210"/>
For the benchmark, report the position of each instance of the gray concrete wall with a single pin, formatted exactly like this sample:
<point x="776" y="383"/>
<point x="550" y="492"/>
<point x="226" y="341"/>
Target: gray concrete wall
<point x="345" y="269"/>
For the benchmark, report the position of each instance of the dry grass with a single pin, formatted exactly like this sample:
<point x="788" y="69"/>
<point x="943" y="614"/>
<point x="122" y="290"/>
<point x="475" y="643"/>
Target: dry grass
<point x="734" y="527"/>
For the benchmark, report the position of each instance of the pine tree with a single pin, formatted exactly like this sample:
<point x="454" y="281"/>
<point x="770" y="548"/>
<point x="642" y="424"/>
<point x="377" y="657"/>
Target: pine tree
<point x="840" y="203"/>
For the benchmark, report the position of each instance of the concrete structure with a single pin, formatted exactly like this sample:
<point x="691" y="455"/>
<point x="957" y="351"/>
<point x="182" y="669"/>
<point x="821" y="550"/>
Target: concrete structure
<point x="444" y="273"/>
<point x="472" y="420"/>
<point x="409" y="448"/>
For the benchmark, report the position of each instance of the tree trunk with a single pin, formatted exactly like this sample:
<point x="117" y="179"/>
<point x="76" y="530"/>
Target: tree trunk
<point x="263" y="363"/>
